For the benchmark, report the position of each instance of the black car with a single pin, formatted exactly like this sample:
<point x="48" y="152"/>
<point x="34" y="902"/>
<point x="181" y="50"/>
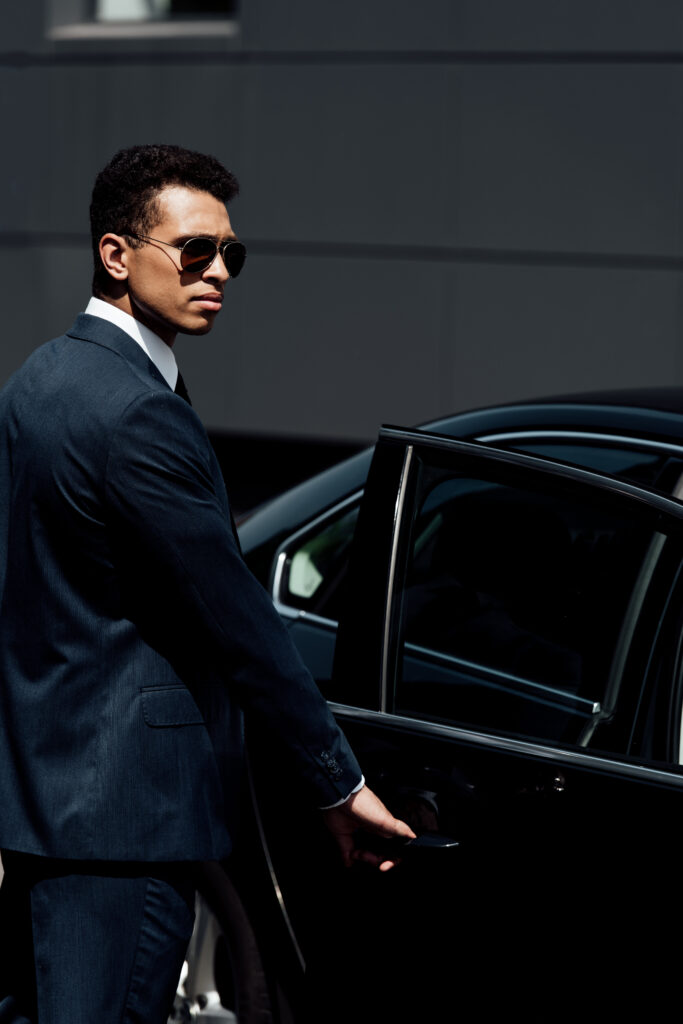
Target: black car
<point x="492" y="604"/>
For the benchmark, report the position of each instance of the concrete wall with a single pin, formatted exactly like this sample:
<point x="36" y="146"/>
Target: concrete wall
<point x="446" y="205"/>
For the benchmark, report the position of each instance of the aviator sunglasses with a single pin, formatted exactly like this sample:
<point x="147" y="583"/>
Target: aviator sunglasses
<point x="197" y="254"/>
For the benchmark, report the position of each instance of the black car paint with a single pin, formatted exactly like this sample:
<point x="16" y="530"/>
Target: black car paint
<point x="532" y="831"/>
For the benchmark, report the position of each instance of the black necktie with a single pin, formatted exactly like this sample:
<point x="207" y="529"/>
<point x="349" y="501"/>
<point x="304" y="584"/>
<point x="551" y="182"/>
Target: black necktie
<point x="181" y="390"/>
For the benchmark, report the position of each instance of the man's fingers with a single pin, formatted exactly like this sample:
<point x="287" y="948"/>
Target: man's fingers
<point x="362" y="826"/>
<point x="347" y="849"/>
<point x="397" y="829"/>
<point x="382" y="862"/>
<point x="368" y="812"/>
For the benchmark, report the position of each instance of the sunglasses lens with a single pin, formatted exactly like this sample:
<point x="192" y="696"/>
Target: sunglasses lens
<point x="197" y="255"/>
<point x="234" y="255"/>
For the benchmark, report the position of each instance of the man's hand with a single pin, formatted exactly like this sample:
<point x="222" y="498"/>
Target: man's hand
<point x="365" y="811"/>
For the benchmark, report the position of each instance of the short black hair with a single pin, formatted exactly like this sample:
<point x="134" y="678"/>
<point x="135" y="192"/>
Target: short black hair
<point x="125" y="192"/>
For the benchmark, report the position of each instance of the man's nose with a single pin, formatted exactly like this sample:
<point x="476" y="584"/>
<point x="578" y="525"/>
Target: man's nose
<point x="217" y="270"/>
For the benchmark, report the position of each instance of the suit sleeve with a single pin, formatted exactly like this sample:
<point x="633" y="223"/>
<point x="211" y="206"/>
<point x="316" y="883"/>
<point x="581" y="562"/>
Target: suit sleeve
<point x="173" y="536"/>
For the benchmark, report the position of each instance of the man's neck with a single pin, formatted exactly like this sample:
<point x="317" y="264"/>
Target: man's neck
<point x="124" y="303"/>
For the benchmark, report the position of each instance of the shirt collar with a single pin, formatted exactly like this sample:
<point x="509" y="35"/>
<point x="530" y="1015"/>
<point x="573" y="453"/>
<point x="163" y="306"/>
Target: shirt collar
<point x="157" y="350"/>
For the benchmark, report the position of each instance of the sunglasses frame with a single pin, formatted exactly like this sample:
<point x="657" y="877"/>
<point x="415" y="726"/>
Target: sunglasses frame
<point x="200" y="238"/>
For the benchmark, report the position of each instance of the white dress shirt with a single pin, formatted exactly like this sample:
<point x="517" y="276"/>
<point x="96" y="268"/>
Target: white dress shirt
<point x="157" y="350"/>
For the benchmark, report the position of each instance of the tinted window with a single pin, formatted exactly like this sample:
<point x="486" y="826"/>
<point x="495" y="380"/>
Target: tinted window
<point x="315" y="566"/>
<point x="517" y="608"/>
<point x="640" y="467"/>
<point x="316" y="562"/>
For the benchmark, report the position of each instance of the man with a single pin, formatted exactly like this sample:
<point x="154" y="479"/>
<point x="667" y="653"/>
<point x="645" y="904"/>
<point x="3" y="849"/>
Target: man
<point x="131" y="630"/>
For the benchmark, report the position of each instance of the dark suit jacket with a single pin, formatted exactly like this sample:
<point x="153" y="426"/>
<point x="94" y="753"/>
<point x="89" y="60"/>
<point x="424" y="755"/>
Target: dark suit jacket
<point x="131" y="632"/>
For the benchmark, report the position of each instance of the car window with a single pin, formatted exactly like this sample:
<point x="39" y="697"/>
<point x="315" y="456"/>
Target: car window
<point x="314" y="562"/>
<point x="640" y="467"/>
<point x="315" y="566"/>
<point x="517" y="608"/>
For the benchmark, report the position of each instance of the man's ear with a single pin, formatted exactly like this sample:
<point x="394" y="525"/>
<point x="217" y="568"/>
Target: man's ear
<point x="114" y="255"/>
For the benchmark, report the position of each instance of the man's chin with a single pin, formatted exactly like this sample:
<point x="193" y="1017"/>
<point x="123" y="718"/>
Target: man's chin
<point x="203" y="328"/>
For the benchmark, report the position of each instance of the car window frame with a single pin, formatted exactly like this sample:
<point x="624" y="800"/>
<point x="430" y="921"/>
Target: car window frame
<point x="623" y="440"/>
<point x="296" y="617"/>
<point x="284" y="549"/>
<point x="406" y="656"/>
<point x="401" y="443"/>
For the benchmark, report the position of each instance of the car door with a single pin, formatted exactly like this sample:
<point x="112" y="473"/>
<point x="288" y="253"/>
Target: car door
<point x="509" y="653"/>
<point x="309" y="566"/>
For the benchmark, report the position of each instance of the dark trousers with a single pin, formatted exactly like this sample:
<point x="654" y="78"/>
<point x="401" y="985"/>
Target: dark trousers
<point x="85" y="942"/>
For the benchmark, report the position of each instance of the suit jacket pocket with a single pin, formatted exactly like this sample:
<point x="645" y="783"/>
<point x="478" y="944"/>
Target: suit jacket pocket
<point x="164" y="706"/>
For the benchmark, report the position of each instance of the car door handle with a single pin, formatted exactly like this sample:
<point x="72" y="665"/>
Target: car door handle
<point x="430" y="841"/>
<point x="407" y="848"/>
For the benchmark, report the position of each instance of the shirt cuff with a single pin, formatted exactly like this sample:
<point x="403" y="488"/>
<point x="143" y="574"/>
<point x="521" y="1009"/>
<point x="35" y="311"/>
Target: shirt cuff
<point x="356" y="789"/>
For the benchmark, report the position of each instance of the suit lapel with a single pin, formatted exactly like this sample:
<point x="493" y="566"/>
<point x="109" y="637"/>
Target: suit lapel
<point x="101" y="332"/>
<point x="108" y="335"/>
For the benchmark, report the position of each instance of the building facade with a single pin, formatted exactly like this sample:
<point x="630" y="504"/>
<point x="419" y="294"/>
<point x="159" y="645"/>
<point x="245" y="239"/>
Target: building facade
<point x="445" y="205"/>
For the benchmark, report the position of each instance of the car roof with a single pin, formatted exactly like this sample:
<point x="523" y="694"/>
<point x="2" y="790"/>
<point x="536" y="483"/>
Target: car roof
<point x="666" y="399"/>
<point x="641" y="412"/>
<point x="652" y="413"/>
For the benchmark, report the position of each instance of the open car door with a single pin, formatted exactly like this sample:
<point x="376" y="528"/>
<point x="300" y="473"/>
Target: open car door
<point x="508" y="671"/>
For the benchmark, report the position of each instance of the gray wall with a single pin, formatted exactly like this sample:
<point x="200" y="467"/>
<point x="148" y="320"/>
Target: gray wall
<point x="446" y="205"/>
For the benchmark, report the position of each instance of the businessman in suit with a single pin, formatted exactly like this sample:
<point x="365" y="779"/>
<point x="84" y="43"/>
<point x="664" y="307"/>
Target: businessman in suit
<point x="132" y="635"/>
